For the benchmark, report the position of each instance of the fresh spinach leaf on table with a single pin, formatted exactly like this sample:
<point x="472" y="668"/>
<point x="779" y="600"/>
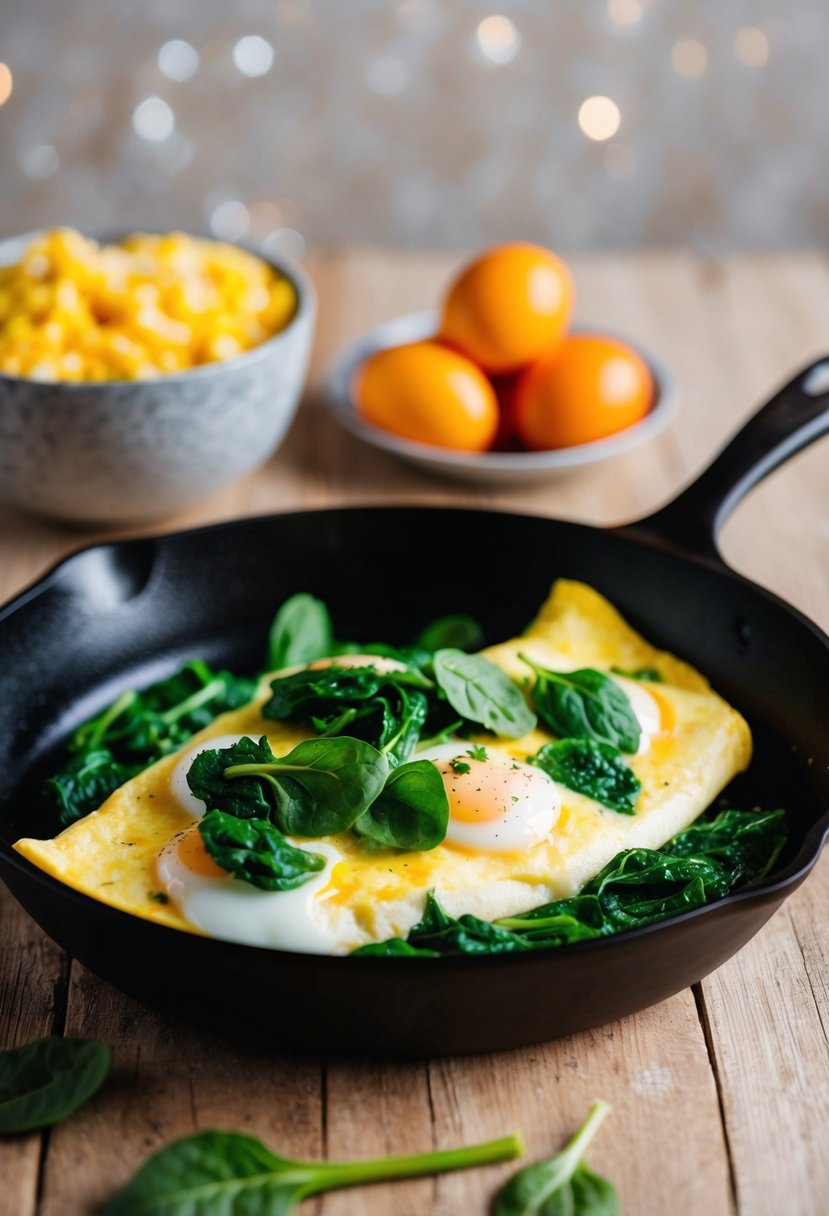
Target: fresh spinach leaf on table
<point x="254" y="851"/>
<point x="46" y="1081"/>
<point x="319" y="788"/>
<point x="562" y="1185"/>
<point x="301" y="632"/>
<point x="216" y="1173"/>
<point x="480" y="692"/>
<point x="584" y="704"/>
<point x="411" y="812"/>
<point x="594" y="769"/>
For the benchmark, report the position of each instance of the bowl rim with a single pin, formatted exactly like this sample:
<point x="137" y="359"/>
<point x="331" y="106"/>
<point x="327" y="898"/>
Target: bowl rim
<point x="412" y="327"/>
<point x="306" y="303"/>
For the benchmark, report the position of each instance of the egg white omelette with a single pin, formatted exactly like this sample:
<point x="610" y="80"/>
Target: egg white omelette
<point x="516" y="839"/>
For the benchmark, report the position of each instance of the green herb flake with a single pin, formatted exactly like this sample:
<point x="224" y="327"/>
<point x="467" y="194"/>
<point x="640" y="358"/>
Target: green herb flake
<point x="478" y="752"/>
<point x="459" y="766"/>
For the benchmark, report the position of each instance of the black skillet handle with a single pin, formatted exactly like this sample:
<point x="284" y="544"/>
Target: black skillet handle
<point x="794" y="418"/>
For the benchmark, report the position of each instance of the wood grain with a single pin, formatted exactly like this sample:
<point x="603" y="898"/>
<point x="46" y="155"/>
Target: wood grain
<point x="720" y="1096"/>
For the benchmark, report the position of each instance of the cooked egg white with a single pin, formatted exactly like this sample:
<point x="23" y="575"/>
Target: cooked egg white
<point x="500" y="856"/>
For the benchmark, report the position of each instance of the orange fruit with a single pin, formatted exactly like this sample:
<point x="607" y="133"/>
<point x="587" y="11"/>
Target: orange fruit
<point x="591" y="387"/>
<point x="426" y="392"/>
<point x="508" y="306"/>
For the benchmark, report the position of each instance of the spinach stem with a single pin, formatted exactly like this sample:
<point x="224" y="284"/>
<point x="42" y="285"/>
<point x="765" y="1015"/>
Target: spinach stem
<point x="195" y="701"/>
<point x="109" y="716"/>
<point x="350" y="1173"/>
<point x="575" y="1149"/>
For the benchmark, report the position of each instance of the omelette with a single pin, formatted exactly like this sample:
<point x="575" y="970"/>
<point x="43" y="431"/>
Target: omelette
<point x="516" y="838"/>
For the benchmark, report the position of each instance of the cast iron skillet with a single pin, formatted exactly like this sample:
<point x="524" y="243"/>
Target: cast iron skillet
<point x="114" y="615"/>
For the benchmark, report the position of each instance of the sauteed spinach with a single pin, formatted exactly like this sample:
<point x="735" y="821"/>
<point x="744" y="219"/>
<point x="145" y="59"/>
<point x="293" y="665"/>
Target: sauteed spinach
<point x="720" y="853"/>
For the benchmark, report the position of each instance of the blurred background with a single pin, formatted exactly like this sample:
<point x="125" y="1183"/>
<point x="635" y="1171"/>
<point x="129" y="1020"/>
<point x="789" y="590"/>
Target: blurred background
<point x="420" y="123"/>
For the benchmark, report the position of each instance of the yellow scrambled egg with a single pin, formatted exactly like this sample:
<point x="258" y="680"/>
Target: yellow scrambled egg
<point x="75" y="310"/>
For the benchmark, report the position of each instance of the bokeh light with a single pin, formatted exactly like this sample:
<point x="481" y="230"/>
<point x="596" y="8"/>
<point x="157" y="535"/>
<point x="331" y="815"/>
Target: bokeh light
<point x="178" y="60"/>
<point x="498" y="40"/>
<point x="625" y="12"/>
<point x="6" y="83"/>
<point x="230" y="220"/>
<point x="689" y="58"/>
<point x="253" y="55"/>
<point x="751" y="46"/>
<point x="39" y="162"/>
<point x="153" y="120"/>
<point x="599" y="118"/>
<point x="285" y="241"/>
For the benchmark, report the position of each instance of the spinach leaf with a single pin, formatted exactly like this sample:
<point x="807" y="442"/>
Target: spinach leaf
<point x="458" y="631"/>
<point x="301" y="632"/>
<point x="254" y="851"/>
<point x="411" y="812"/>
<point x="319" y="789"/>
<point x="87" y="781"/>
<point x="46" y="1081"/>
<point x="650" y="674"/>
<point x="481" y="692"/>
<point x="385" y="709"/>
<point x="467" y="935"/>
<point x="594" y="769"/>
<point x="585" y="704"/>
<point x="394" y="947"/>
<point x="745" y="843"/>
<point x="563" y="1185"/>
<point x="217" y="1173"/>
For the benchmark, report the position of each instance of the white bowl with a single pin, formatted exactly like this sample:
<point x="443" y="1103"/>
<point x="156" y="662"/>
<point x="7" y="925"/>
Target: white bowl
<point x="484" y="466"/>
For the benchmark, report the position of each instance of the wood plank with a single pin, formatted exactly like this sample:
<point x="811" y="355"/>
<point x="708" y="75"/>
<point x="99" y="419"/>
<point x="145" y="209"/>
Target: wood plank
<point x="169" y="1080"/>
<point x="655" y="1074"/>
<point x="33" y="978"/>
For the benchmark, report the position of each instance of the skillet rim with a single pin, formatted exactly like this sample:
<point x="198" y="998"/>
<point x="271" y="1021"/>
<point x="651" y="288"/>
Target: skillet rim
<point x="788" y="879"/>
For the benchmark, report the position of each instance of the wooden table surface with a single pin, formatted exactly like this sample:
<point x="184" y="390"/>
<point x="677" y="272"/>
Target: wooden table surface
<point x="720" y="1095"/>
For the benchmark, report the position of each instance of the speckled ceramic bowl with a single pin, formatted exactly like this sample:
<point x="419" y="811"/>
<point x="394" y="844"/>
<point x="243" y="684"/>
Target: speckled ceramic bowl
<point x="122" y="451"/>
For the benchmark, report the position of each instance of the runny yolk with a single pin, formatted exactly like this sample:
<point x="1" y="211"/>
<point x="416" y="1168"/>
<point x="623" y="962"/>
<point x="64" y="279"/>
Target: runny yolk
<point x="484" y="793"/>
<point x="667" y="717"/>
<point x="193" y="855"/>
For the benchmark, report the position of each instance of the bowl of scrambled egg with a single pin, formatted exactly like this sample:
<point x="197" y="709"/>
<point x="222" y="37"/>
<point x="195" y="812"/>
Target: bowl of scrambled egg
<point x="141" y="374"/>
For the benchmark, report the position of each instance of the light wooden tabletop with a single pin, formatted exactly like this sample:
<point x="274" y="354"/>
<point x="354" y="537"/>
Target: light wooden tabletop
<point x="720" y="1095"/>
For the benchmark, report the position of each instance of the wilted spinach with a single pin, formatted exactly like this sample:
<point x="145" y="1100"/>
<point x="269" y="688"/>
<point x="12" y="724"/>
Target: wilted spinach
<point x="716" y="855"/>
<point x="594" y="769"/>
<point x="412" y="810"/>
<point x="585" y="704"/>
<point x="46" y="1081"/>
<point x="320" y="788"/>
<point x="562" y="1185"/>
<point x="385" y="709"/>
<point x="137" y="729"/>
<point x="301" y="632"/>
<point x="87" y="781"/>
<point x="228" y="1174"/>
<point x="480" y="692"/>
<point x="253" y="850"/>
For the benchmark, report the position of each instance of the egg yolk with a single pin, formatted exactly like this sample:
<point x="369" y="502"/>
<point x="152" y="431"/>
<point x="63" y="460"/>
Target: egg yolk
<point x="194" y="856"/>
